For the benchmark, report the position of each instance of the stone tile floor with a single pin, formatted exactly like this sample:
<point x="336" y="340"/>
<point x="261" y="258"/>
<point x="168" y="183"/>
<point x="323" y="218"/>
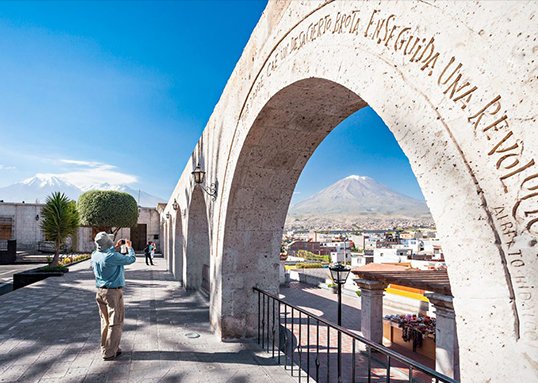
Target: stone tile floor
<point x="49" y="332"/>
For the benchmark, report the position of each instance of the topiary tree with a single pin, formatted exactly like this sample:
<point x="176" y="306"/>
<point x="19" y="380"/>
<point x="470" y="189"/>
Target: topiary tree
<point x="60" y="220"/>
<point x="107" y="210"/>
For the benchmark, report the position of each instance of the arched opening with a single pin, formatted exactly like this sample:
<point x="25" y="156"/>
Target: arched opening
<point x="177" y="256"/>
<point x="282" y="139"/>
<point x="197" y="258"/>
<point x="170" y="243"/>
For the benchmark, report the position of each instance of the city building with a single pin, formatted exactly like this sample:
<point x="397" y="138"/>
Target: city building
<point x="22" y="222"/>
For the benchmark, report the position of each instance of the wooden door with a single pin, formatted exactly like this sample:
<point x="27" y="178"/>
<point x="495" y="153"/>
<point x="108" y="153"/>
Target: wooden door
<point x="138" y="236"/>
<point x="6" y="228"/>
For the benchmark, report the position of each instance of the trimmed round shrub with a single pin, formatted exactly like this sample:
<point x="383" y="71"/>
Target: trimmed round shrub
<point x="106" y="209"/>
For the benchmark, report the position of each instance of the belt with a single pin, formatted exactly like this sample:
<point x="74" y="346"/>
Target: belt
<point x="110" y="288"/>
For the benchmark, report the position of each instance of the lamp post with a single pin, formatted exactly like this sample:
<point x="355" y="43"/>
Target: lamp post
<point x="339" y="274"/>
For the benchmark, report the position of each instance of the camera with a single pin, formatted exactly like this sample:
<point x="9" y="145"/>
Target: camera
<point x="123" y="247"/>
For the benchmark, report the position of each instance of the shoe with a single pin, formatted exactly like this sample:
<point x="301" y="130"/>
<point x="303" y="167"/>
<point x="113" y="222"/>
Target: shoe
<point x="118" y="353"/>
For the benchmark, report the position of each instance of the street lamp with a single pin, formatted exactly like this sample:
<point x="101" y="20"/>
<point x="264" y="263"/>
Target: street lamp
<point x="199" y="175"/>
<point x="339" y="274"/>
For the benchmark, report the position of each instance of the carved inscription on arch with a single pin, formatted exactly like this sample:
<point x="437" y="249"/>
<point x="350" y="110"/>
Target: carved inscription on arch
<point x="489" y="120"/>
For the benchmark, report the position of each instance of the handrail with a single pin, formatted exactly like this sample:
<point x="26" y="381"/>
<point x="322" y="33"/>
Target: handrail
<point x="378" y="347"/>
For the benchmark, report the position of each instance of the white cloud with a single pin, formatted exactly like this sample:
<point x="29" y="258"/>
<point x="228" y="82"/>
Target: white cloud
<point x="6" y="167"/>
<point x="87" y="173"/>
<point x="82" y="163"/>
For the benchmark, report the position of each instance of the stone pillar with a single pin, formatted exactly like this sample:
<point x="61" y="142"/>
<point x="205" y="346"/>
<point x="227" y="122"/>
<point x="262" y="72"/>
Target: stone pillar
<point x="446" y="339"/>
<point x="282" y="273"/>
<point x="371" y="309"/>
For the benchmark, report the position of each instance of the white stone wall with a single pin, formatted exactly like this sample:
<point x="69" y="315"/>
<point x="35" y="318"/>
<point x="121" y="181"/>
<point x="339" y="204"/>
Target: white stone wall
<point x="455" y="83"/>
<point x="148" y="216"/>
<point x="26" y="229"/>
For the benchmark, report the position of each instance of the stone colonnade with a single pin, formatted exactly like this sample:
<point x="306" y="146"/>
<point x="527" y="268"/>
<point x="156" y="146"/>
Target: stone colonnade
<point x="431" y="72"/>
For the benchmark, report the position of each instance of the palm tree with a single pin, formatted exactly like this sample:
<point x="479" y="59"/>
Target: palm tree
<point x="60" y="220"/>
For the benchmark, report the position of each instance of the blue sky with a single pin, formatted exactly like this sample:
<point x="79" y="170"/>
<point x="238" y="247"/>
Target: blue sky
<point x="120" y="92"/>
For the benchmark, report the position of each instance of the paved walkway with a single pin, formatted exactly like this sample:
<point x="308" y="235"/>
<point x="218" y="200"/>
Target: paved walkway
<point x="49" y="332"/>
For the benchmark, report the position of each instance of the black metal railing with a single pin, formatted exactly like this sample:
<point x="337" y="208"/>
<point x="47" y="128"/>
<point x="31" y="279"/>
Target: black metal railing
<point x="281" y="332"/>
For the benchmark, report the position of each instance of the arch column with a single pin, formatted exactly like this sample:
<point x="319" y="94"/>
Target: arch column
<point x="177" y="258"/>
<point x="372" y="309"/>
<point x="197" y="255"/>
<point x="169" y="243"/>
<point x="446" y="338"/>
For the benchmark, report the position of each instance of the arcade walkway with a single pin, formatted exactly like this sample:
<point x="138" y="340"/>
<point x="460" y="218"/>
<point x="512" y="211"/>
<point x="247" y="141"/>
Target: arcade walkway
<point x="49" y="332"/>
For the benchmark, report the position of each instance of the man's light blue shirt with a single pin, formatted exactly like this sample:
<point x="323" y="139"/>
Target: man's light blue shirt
<point x="108" y="267"/>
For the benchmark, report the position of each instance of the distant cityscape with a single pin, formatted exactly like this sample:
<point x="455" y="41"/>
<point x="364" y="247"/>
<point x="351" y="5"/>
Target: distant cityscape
<point x="363" y="247"/>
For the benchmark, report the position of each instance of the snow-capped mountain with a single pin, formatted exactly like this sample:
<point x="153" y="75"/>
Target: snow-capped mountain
<point x="356" y="196"/>
<point x="39" y="187"/>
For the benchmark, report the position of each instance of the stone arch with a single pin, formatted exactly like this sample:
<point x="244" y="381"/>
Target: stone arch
<point x="177" y="256"/>
<point x="281" y="140"/>
<point x="197" y="255"/>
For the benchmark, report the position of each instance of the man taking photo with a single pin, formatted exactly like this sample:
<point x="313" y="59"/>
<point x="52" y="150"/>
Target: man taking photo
<point x="108" y="266"/>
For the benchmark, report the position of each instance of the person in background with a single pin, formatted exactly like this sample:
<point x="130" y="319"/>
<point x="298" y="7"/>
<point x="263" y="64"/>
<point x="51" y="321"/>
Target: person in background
<point x="108" y="267"/>
<point x="147" y="253"/>
<point x="153" y="249"/>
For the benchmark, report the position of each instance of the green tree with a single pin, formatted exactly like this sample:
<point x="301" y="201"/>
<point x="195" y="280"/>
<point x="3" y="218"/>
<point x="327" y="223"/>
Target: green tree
<point x="107" y="210"/>
<point x="60" y="220"/>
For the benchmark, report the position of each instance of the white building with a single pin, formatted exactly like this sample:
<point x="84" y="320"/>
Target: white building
<point x="358" y="260"/>
<point x="416" y="245"/>
<point x="341" y="251"/>
<point x="390" y="255"/>
<point x="22" y="222"/>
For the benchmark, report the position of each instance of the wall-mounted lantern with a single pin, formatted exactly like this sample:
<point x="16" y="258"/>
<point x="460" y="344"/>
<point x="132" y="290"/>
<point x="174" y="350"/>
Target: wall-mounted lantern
<point x="168" y="215"/>
<point x="175" y="205"/>
<point x="37" y="217"/>
<point x="199" y="175"/>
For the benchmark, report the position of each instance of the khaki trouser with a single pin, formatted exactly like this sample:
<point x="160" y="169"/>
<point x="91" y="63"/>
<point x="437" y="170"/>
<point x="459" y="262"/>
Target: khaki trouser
<point x="112" y="311"/>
